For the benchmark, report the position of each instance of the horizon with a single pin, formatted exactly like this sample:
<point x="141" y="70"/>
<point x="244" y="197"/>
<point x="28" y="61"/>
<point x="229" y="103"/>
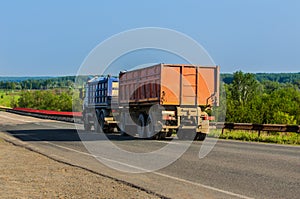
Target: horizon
<point x="221" y="72"/>
<point x="55" y="76"/>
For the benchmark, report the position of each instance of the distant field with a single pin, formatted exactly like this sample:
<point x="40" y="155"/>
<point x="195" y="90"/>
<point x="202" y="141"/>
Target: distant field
<point x="8" y="96"/>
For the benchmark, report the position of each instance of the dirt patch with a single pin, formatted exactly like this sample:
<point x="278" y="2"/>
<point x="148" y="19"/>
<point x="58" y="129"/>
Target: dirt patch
<point x="25" y="174"/>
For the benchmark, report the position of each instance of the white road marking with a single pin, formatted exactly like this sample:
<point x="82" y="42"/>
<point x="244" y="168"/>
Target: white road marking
<point x="204" y="186"/>
<point x="167" y="142"/>
<point x="157" y="173"/>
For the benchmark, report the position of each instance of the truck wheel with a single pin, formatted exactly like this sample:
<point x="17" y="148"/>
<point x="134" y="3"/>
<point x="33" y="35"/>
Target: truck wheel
<point x="201" y="136"/>
<point x="161" y="135"/>
<point x="141" y="126"/>
<point x="169" y="133"/>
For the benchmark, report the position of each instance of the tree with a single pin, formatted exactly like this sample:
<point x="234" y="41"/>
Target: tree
<point x="243" y="87"/>
<point x="243" y="96"/>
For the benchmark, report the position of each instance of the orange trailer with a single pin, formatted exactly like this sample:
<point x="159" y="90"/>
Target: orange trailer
<point x="165" y="98"/>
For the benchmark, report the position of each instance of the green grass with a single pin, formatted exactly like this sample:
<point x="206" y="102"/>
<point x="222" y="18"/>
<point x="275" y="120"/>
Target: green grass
<point x="272" y="137"/>
<point x="7" y="96"/>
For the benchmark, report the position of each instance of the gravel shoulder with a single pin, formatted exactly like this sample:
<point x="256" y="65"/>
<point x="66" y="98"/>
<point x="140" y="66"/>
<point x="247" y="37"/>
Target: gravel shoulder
<point x="26" y="174"/>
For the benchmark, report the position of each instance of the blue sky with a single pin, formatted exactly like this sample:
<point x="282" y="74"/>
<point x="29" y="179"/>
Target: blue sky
<point x="54" y="37"/>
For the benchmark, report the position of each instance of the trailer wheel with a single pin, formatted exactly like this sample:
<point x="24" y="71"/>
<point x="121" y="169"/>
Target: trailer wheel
<point x="141" y="126"/>
<point x="169" y="133"/>
<point x="161" y="135"/>
<point x="201" y="136"/>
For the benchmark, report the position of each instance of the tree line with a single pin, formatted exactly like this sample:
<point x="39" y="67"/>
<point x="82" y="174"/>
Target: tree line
<point x="293" y="78"/>
<point x="42" y="84"/>
<point x="249" y="98"/>
<point x="21" y="83"/>
<point x="264" y="102"/>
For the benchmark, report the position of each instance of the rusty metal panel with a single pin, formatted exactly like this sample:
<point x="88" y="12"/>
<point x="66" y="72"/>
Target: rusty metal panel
<point x="170" y="85"/>
<point x="208" y="85"/>
<point x="190" y="85"/>
<point x="140" y="86"/>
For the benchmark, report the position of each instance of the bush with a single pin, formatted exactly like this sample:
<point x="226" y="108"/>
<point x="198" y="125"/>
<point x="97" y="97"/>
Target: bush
<point x="59" y="100"/>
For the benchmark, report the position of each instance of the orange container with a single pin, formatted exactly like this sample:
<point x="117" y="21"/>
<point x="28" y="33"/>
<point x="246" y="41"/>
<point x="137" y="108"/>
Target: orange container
<point x="170" y="84"/>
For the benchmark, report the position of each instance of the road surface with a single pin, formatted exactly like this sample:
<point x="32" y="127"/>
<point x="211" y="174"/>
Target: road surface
<point x="232" y="169"/>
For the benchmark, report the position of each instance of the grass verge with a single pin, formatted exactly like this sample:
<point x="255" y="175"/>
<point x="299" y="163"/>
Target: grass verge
<point x="269" y="137"/>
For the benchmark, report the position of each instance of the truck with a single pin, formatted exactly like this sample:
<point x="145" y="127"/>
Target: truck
<point x="100" y="93"/>
<point x="156" y="101"/>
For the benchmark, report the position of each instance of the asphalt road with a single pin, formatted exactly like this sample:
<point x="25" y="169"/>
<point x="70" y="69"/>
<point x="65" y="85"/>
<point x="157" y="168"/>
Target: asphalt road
<point x="231" y="169"/>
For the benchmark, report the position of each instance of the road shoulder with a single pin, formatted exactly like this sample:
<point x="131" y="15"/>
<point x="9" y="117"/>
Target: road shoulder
<point x="25" y="173"/>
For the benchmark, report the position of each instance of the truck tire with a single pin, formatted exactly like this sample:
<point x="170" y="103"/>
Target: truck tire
<point x="201" y="136"/>
<point x="141" y="126"/>
<point x="160" y="136"/>
<point x="169" y="133"/>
